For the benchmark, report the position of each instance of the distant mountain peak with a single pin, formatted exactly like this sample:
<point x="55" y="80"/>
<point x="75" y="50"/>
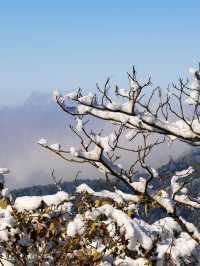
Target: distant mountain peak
<point x="38" y="98"/>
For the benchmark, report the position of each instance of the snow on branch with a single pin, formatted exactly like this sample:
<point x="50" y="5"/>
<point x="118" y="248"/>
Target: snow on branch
<point x="137" y="111"/>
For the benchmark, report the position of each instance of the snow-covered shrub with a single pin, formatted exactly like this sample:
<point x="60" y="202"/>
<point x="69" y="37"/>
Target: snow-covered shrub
<point x="90" y="228"/>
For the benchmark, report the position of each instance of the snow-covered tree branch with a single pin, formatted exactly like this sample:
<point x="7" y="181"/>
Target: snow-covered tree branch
<point x="114" y="227"/>
<point x="159" y="111"/>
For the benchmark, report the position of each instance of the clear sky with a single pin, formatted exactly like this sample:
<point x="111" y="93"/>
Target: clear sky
<point x="66" y="44"/>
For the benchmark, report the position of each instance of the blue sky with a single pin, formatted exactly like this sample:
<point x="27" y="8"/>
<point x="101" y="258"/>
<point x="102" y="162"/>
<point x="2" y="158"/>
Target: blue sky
<point x="66" y="44"/>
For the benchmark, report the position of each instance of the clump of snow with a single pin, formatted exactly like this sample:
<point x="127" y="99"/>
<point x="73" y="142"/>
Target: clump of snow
<point x="107" y="142"/>
<point x="55" y="146"/>
<point x="56" y="94"/>
<point x="166" y="227"/>
<point x="113" y="106"/>
<point x="185" y="172"/>
<point x="55" y="199"/>
<point x="5" y="193"/>
<point x="187" y="201"/>
<point x="3" y="171"/>
<point x="122" y="92"/>
<point x="192" y="228"/>
<point x="83" y="109"/>
<point x="175" y="181"/>
<point x="87" y="99"/>
<point x="43" y="142"/>
<point x="154" y="172"/>
<point x="133" y="233"/>
<point x="6" y="262"/>
<point x="73" y="152"/>
<point x="139" y="185"/>
<point x="165" y="200"/>
<point x="125" y="107"/>
<point x="133" y="84"/>
<point x="79" y="124"/>
<point x="93" y="154"/>
<point x="6" y="222"/>
<point x="179" y="249"/>
<point x="71" y="96"/>
<point x="84" y="188"/>
<point x="28" y="203"/>
<point x="127" y="197"/>
<point x="76" y="227"/>
<point x="65" y="207"/>
<point x="104" y="193"/>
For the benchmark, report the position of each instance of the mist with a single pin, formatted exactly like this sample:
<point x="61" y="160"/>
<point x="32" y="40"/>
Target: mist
<point x="39" y="116"/>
